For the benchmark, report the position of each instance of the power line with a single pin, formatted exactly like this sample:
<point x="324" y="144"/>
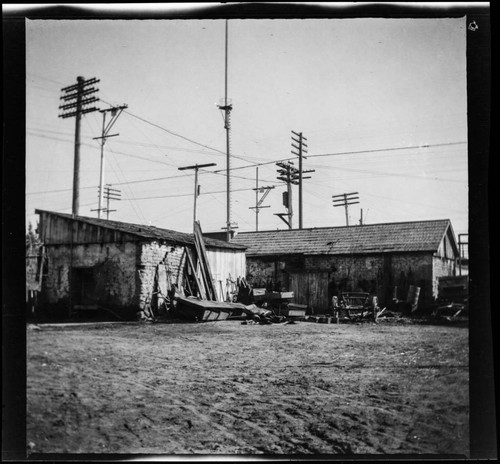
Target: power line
<point x="388" y="149"/>
<point x="263" y="164"/>
<point x="184" y="137"/>
<point x="190" y="194"/>
<point x="93" y="146"/>
<point x="257" y="164"/>
<point x="173" y="133"/>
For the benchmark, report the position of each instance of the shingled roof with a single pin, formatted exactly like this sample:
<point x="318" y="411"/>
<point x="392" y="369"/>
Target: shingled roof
<point x="146" y="232"/>
<point x="372" y="238"/>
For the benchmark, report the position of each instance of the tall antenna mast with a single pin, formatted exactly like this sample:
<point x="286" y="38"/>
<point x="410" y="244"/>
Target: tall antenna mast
<point x="227" y="107"/>
<point x="228" y="164"/>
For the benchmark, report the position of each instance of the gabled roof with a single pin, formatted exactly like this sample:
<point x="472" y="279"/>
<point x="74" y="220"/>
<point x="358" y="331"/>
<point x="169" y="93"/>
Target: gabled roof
<point x="145" y="232"/>
<point x="371" y="238"/>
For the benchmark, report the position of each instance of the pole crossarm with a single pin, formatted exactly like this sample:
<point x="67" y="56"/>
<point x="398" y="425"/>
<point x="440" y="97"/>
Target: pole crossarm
<point x="196" y="168"/>
<point x="115" y="113"/>
<point x="77" y="97"/>
<point x="109" y="194"/>
<point x="74" y="95"/>
<point x="345" y="200"/>
<point x="299" y="148"/>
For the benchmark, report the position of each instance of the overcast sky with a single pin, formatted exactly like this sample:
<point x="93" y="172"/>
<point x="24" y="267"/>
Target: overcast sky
<point x="382" y="103"/>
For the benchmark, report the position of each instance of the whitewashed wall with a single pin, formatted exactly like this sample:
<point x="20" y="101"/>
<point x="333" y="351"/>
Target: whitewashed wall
<point x="226" y="264"/>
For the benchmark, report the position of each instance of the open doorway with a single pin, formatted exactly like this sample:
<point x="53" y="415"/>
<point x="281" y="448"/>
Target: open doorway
<point x="84" y="286"/>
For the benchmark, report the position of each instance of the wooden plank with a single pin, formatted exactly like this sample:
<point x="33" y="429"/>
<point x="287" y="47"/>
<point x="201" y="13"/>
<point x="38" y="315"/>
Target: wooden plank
<point x="204" y="260"/>
<point x="199" y="265"/>
<point x="200" y="268"/>
<point x="201" y="290"/>
<point x="206" y="264"/>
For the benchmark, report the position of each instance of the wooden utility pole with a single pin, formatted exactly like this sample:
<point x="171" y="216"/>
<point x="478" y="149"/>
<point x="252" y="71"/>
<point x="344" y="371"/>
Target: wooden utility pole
<point x="345" y="199"/>
<point x="300" y="148"/>
<point x="115" y="113"/>
<point x="288" y="174"/>
<point x="110" y="194"/>
<point x="258" y="203"/>
<point x="76" y="98"/>
<point x="196" y="167"/>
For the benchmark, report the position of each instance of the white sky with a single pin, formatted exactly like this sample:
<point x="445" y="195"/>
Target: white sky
<point x="348" y="85"/>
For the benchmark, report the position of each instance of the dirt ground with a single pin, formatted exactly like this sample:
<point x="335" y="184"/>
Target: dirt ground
<point x="227" y="388"/>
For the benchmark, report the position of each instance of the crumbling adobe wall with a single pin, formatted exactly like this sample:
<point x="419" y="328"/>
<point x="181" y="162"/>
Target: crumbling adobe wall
<point x="151" y="254"/>
<point x="113" y="271"/>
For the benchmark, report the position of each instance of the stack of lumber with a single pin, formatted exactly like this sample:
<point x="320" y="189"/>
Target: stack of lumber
<point x="199" y="268"/>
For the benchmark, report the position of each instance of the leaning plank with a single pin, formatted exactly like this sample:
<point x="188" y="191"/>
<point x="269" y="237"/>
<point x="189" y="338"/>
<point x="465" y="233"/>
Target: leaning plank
<point x="201" y="290"/>
<point x="200" y="264"/>
<point x="202" y="258"/>
<point x="199" y="236"/>
<point x="377" y="314"/>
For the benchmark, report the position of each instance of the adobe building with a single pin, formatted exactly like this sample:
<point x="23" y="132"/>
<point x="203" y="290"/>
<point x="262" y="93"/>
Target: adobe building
<point x="115" y="265"/>
<point x="383" y="259"/>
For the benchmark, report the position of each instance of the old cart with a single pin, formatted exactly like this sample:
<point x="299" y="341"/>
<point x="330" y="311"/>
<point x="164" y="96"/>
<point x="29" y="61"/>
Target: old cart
<point x="355" y="306"/>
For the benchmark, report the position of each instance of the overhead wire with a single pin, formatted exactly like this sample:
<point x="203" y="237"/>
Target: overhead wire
<point x="267" y="163"/>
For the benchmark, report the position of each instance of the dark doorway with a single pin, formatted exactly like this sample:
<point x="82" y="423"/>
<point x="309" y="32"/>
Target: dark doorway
<point x="83" y="286"/>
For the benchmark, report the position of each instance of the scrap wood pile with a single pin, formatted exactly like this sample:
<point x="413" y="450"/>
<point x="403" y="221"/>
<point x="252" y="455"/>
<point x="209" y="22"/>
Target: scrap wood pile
<point x="199" y="298"/>
<point x="195" y="282"/>
<point x="198" y="275"/>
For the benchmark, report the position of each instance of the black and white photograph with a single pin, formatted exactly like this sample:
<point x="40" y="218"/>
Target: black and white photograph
<point x="250" y="231"/>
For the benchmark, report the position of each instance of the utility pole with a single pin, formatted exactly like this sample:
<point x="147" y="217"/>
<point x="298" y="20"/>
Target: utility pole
<point x="300" y="149"/>
<point x="258" y="203"/>
<point x="288" y="174"/>
<point x="227" y="107"/>
<point x="115" y="113"/>
<point x="110" y="194"/>
<point x="196" y="187"/>
<point x="76" y="98"/>
<point x="345" y="199"/>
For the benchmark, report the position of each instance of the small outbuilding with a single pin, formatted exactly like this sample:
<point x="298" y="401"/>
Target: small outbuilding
<point x="382" y="259"/>
<point x="117" y="265"/>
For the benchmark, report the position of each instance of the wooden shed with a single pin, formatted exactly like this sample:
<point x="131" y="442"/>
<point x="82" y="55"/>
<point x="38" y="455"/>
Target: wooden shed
<point x="114" y="264"/>
<point x="383" y="259"/>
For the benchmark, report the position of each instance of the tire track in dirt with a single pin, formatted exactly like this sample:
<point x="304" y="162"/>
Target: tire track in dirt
<point x="267" y="434"/>
<point x="357" y="401"/>
<point x="193" y="408"/>
<point x="324" y="393"/>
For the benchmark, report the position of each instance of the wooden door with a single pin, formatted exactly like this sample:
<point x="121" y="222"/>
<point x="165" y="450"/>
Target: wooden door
<point x="311" y="289"/>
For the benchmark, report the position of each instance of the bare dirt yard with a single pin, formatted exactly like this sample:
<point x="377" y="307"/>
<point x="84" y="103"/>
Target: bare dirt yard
<point x="227" y="388"/>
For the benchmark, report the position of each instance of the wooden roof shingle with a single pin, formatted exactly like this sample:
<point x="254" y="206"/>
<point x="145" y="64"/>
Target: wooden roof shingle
<point x="370" y="238"/>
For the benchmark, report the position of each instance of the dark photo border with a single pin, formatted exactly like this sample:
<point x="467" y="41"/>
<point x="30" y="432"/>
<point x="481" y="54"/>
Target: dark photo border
<point x="483" y="407"/>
